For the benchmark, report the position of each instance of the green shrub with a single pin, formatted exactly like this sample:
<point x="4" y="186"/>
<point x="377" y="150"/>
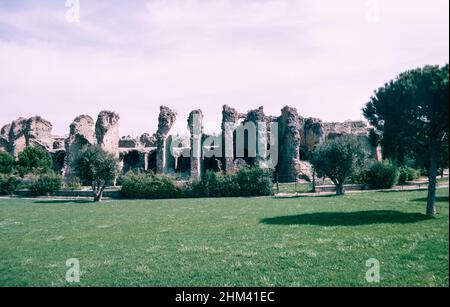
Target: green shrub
<point x="255" y="181"/>
<point x="246" y="182"/>
<point x="46" y="185"/>
<point x="34" y="160"/>
<point x="6" y="163"/>
<point x="214" y="184"/>
<point x="150" y="186"/>
<point x="8" y="184"/>
<point x="382" y="175"/>
<point x="407" y="174"/>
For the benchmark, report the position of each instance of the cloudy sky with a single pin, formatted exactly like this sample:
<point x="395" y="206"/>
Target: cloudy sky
<point x="324" y="57"/>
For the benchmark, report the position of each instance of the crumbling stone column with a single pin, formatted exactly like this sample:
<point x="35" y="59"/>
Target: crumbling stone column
<point x="107" y="132"/>
<point x="195" y="126"/>
<point x="289" y="145"/>
<point x="230" y="119"/>
<point x="166" y="120"/>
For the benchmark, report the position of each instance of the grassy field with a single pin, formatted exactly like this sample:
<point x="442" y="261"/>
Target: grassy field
<point x="322" y="241"/>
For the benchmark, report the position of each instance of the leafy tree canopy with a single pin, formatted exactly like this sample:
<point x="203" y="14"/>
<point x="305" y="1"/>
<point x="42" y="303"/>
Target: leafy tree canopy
<point x="96" y="166"/>
<point x="340" y="158"/>
<point x="34" y="160"/>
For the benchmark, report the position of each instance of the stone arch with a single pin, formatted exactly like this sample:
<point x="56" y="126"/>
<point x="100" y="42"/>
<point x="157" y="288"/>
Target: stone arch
<point x="59" y="161"/>
<point x="183" y="164"/>
<point x="212" y="164"/>
<point x="131" y="161"/>
<point x="151" y="161"/>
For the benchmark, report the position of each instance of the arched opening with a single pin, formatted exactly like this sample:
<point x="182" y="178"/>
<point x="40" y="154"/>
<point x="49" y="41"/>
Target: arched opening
<point x="59" y="161"/>
<point x="183" y="164"/>
<point x="212" y="164"/>
<point x="151" y="160"/>
<point x="131" y="161"/>
<point x="304" y="154"/>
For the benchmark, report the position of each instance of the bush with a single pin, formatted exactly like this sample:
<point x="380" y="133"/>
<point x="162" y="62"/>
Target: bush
<point x="46" y="185"/>
<point x="407" y="174"/>
<point x="8" y="184"/>
<point x="214" y="184"/>
<point x="246" y="182"/>
<point x="6" y="163"/>
<point x="34" y="160"/>
<point x="382" y="175"/>
<point x="150" y="186"/>
<point x="255" y="181"/>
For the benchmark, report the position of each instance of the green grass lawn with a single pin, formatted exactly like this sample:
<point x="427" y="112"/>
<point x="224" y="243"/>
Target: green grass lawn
<point x="322" y="241"/>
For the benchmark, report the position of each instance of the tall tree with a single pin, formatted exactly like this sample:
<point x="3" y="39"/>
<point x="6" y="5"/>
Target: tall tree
<point x="411" y="115"/>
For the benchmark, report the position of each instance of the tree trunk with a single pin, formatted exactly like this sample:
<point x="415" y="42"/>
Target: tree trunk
<point x="98" y="188"/>
<point x="314" y="182"/>
<point x="340" y="190"/>
<point x="98" y="196"/>
<point x="431" y="200"/>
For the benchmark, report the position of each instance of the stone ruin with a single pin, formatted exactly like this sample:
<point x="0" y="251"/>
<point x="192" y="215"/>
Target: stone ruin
<point x="297" y="137"/>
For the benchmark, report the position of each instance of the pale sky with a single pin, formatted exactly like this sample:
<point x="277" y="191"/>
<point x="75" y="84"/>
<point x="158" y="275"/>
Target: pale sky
<point x="324" y="57"/>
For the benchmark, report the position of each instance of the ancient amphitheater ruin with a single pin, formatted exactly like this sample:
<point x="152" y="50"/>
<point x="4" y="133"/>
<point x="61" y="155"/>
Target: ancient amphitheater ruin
<point x="297" y="136"/>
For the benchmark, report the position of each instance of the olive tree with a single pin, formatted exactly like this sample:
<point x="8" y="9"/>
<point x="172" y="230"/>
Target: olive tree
<point x="94" y="165"/>
<point x="339" y="159"/>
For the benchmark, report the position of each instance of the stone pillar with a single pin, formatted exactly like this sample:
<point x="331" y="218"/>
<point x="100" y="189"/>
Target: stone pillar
<point x="230" y="118"/>
<point x="107" y="132"/>
<point x="195" y="126"/>
<point x="259" y="119"/>
<point x="166" y="120"/>
<point x="289" y="144"/>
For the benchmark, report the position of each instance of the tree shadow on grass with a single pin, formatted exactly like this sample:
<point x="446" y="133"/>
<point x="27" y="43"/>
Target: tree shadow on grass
<point x="63" y="202"/>
<point x="439" y="199"/>
<point x="348" y="218"/>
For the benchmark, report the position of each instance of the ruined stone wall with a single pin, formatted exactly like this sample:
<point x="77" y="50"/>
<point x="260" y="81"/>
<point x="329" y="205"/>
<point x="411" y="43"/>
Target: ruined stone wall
<point x="22" y="132"/>
<point x="314" y="131"/>
<point x="297" y="135"/>
<point x="38" y="132"/>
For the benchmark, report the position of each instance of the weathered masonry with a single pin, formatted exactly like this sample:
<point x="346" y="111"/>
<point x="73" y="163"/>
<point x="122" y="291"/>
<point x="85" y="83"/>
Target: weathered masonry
<point x="297" y="136"/>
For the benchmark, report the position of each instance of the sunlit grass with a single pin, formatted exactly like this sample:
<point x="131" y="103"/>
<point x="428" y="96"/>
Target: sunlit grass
<point x="322" y="241"/>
